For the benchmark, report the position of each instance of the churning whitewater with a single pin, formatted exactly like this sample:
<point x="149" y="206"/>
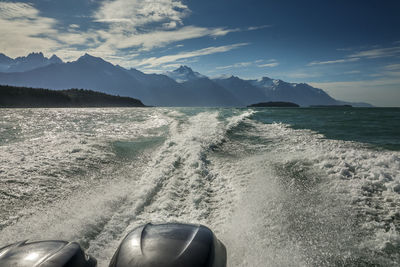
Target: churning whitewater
<point x="274" y="194"/>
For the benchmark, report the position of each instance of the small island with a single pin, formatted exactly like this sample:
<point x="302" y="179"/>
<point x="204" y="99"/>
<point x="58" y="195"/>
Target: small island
<point x="24" y="97"/>
<point x="274" y="105"/>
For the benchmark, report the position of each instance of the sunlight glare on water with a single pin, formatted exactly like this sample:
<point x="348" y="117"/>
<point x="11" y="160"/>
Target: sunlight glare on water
<point x="276" y="195"/>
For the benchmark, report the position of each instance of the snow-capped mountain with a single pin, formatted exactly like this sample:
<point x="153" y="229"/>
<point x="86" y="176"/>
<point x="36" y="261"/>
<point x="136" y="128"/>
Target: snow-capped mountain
<point x="184" y="74"/>
<point x="264" y="82"/>
<point x="241" y="89"/>
<point x="299" y="93"/>
<point x="30" y="62"/>
<point x="181" y="87"/>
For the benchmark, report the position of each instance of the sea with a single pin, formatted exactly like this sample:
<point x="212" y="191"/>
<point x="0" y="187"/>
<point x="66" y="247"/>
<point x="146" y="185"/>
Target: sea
<point x="278" y="186"/>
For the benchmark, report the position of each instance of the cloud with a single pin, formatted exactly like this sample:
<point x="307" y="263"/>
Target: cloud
<point x="171" y="66"/>
<point x="344" y="60"/>
<point x="236" y="65"/>
<point x="300" y="75"/>
<point x="150" y="40"/>
<point x="254" y="28"/>
<point x="364" y="54"/>
<point x="142" y="25"/>
<point x="9" y="10"/>
<point x="392" y="67"/>
<point x="22" y="29"/>
<point x="142" y="12"/>
<point x="269" y="65"/>
<point x="377" y="53"/>
<point x="154" y="61"/>
<point x="389" y="72"/>
<point x="392" y="73"/>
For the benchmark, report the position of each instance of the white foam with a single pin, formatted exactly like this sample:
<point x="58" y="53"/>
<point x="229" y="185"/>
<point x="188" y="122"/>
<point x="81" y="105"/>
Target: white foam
<point x="59" y="150"/>
<point x="246" y="191"/>
<point x="363" y="180"/>
<point x="176" y="185"/>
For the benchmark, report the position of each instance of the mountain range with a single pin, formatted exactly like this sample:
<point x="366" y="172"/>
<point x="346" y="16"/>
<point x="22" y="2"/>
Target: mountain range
<point x="30" y="62"/>
<point x="181" y="87"/>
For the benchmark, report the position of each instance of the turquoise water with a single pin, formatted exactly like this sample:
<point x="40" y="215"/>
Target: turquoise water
<point x="376" y="126"/>
<point x="280" y="187"/>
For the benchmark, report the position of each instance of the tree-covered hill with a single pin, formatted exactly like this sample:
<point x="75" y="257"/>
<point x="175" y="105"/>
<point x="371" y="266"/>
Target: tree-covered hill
<point x="24" y="97"/>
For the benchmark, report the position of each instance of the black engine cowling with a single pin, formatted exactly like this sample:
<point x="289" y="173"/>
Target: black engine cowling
<point x="170" y="245"/>
<point x="50" y="253"/>
<point x="160" y="245"/>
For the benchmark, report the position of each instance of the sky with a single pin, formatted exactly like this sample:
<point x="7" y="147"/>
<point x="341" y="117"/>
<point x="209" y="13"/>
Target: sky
<point x="349" y="48"/>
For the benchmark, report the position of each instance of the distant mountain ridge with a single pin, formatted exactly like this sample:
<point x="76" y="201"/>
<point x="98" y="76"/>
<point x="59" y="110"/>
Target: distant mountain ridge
<point x="30" y="62"/>
<point x="181" y="87"/>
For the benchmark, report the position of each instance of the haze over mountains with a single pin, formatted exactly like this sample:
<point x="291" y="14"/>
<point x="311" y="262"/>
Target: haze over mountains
<point x="181" y="87"/>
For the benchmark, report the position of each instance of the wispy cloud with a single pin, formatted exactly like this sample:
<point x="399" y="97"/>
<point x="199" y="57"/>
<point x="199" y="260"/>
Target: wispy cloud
<point x="392" y="67"/>
<point x="377" y="53"/>
<point x="336" y="61"/>
<point x="371" y="53"/>
<point x="11" y="10"/>
<point x="257" y="63"/>
<point x="150" y="40"/>
<point x="272" y="63"/>
<point x="145" y="25"/>
<point x="157" y="61"/>
<point x="254" y="28"/>
<point x="344" y="49"/>
<point x="300" y="75"/>
<point x="236" y="65"/>
<point x="388" y="72"/>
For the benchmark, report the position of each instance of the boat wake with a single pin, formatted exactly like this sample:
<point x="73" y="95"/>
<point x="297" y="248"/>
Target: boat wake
<point x="272" y="194"/>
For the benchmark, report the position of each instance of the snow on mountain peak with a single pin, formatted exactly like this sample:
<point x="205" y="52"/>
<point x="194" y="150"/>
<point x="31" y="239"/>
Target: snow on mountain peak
<point x="264" y="82"/>
<point x="32" y="61"/>
<point x="184" y="74"/>
<point x="183" y="69"/>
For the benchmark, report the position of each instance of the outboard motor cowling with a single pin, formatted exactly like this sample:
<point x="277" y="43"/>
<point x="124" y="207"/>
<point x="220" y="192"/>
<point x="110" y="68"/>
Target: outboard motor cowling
<point x="49" y="253"/>
<point x="170" y="245"/>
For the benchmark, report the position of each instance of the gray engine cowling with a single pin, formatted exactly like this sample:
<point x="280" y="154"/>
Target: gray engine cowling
<point x="170" y="245"/>
<point x="50" y="253"/>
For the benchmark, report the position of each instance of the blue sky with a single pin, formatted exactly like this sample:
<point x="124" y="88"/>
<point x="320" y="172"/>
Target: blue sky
<point x="349" y="48"/>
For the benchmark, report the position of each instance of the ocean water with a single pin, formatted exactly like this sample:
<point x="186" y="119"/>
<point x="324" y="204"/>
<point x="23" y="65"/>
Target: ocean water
<point x="280" y="187"/>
